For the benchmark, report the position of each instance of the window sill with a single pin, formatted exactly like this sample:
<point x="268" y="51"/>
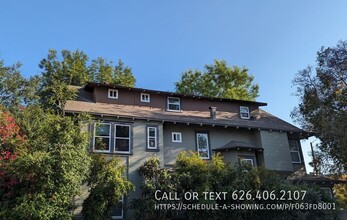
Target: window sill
<point x="152" y="150"/>
<point x="112" y="153"/>
<point x="169" y="110"/>
<point x="101" y="151"/>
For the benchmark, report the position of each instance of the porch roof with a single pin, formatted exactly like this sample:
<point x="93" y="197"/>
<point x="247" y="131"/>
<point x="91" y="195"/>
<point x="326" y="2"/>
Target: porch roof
<point x="238" y="145"/>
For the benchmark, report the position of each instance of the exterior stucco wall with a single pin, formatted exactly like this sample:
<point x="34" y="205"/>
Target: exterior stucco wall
<point x="140" y="152"/>
<point x="276" y="150"/>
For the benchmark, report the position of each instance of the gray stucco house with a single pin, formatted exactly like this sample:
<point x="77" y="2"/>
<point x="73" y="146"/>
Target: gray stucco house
<point x="137" y="123"/>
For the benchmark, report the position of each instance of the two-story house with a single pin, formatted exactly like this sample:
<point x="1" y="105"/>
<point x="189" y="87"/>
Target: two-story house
<point x="135" y="123"/>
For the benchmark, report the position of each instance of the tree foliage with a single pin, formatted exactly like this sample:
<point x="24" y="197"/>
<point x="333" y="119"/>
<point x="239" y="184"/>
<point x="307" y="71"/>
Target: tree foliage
<point x="48" y="168"/>
<point x="15" y="90"/>
<point x="105" y="72"/>
<point x="323" y="102"/>
<point x="43" y="155"/>
<point x="219" y="80"/>
<point x="193" y="174"/>
<point x="74" y="68"/>
<point x="107" y="184"/>
<point x="155" y="178"/>
<point x="340" y="191"/>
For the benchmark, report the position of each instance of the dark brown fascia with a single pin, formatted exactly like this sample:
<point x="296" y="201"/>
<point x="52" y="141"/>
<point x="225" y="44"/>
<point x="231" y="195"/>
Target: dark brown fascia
<point x="91" y="85"/>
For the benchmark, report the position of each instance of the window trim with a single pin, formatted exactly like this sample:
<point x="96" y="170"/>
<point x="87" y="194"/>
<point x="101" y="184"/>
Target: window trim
<point x="109" y="137"/>
<point x="330" y="194"/>
<point x="115" y="137"/>
<point x="145" y="94"/>
<point x="114" y="91"/>
<point x="155" y="138"/>
<point x="173" y="135"/>
<point x="208" y="144"/>
<point x="241" y="112"/>
<point x="168" y="104"/>
<point x="295" y="151"/>
<point x="122" y="209"/>
<point x="248" y="159"/>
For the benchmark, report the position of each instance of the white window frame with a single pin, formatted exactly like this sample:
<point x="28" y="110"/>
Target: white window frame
<point x="109" y="138"/>
<point x="207" y="143"/>
<point x="176" y="137"/>
<point x="145" y="95"/>
<point x="248" y="159"/>
<point x="151" y="137"/>
<point x="244" y="110"/>
<point x="115" y="91"/>
<point x="328" y="191"/>
<point x="122" y="215"/>
<point x="122" y="138"/>
<point x="168" y="104"/>
<point x="294" y="151"/>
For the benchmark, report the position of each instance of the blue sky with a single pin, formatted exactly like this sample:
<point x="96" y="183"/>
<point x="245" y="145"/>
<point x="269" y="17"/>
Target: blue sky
<point x="161" y="39"/>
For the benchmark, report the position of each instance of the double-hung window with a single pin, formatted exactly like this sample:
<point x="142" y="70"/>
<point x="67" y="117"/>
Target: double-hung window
<point x="244" y="112"/>
<point x="112" y="138"/>
<point x="152" y="138"/>
<point x="203" y="147"/>
<point x="122" y="138"/>
<point x="173" y="104"/>
<point x="102" y="137"/>
<point x="294" y="151"/>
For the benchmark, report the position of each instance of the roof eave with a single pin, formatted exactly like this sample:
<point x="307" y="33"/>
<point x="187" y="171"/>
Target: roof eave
<point x="303" y="134"/>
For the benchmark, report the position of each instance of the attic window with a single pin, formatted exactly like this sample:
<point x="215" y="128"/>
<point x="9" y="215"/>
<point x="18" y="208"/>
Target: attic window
<point x="145" y="97"/>
<point x="173" y="104"/>
<point x="244" y="112"/>
<point x="113" y="93"/>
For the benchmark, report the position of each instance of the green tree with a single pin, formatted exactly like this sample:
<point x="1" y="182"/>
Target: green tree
<point x="323" y="102"/>
<point x="55" y="77"/>
<point x="155" y="178"/>
<point x="340" y="191"/>
<point x="15" y="90"/>
<point x="108" y="183"/>
<point x="219" y="80"/>
<point x="49" y="166"/>
<point x="105" y="72"/>
<point x="193" y="174"/>
<point x="73" y="68"/>
<point x="42" y="171"/>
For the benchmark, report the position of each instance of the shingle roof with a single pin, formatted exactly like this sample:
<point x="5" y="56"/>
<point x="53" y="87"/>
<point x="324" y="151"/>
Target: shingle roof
<point x="264" y="121"/>
<point x="238" y="145"/>
<point x="309" y="178"/>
